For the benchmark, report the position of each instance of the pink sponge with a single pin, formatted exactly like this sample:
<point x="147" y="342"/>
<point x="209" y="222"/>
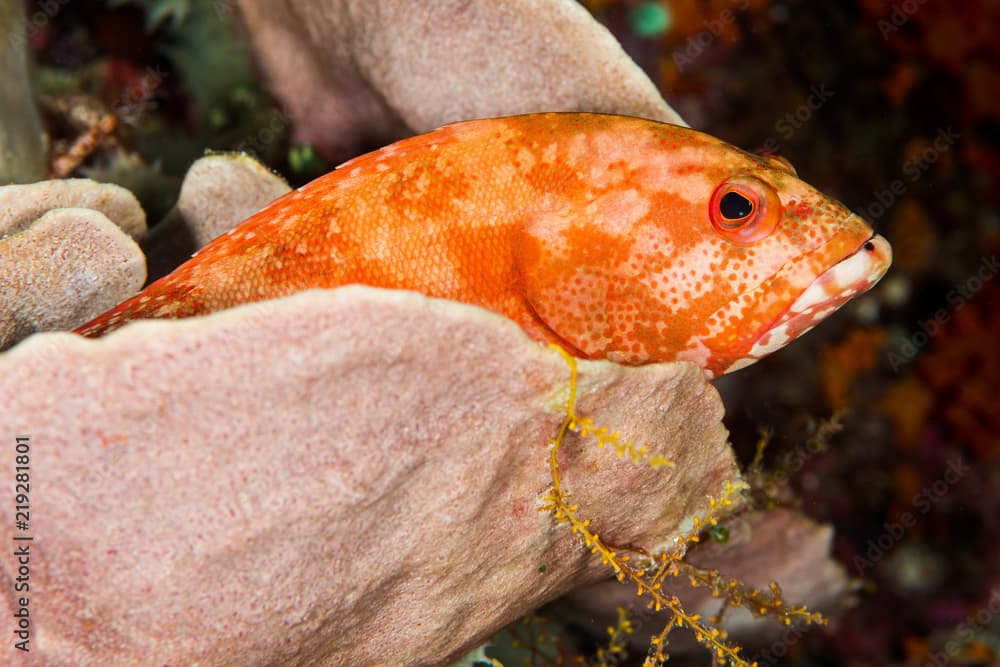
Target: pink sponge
<point x="341" y="477"/>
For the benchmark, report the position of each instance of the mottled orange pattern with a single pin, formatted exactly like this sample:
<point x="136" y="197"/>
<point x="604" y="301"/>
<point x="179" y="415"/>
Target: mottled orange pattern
<point x="597" y="232"/>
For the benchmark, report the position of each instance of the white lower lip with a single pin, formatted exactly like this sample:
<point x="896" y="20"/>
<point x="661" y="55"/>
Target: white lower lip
<point x="851" y="276"/>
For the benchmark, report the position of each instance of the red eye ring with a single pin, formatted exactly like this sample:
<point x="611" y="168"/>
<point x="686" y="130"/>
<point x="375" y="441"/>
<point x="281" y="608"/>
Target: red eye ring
<point x="754" y="202"/>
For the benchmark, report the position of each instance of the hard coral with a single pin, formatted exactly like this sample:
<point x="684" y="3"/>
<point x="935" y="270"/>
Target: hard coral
<point x="355" y="498"/>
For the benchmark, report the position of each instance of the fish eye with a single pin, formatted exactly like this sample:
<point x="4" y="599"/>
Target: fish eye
<point x="744" y="209"/>
<point x="734" y="206"/>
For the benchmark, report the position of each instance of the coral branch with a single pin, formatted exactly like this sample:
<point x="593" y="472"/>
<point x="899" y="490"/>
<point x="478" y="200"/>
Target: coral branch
<point x="649" y="571"/>
<point x="555" y="501"/>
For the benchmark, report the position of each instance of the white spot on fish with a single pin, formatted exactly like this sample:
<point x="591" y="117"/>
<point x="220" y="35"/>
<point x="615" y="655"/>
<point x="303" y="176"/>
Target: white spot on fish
<point x="619" y="210"/>
<point x="526" y="159"/>
<point x="550" y="153"/>
<point x="774" y="339"/>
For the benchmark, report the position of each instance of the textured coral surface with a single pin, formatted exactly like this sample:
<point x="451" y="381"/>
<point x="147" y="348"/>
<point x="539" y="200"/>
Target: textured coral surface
<point x="276" y="484"/>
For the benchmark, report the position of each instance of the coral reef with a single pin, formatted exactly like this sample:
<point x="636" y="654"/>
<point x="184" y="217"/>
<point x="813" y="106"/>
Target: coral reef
<point x="962" y="370"/>
<point x="843" y="362"/>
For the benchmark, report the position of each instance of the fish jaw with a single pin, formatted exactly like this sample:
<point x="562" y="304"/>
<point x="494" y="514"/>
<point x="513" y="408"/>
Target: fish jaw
<point x="853" y="275"/>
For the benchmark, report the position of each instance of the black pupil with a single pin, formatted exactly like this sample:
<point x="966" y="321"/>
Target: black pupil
<point x="734" y="206"/>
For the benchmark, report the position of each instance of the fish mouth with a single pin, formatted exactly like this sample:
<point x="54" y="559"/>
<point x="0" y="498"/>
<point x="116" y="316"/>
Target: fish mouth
<point x="851" y="276"/>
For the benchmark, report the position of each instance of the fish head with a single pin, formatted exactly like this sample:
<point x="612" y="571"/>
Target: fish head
<point x="784" y="257"/>
<point x="688" y="248"/>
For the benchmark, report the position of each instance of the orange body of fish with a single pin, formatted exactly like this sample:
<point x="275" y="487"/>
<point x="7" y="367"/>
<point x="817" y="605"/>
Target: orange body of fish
<point x="618" y="238"/>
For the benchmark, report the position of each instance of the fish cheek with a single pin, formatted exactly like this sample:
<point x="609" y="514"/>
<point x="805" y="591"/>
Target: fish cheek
<point x="602" y="292"/>
<point x="566" y="272"/>
<point x="731" y="331"/>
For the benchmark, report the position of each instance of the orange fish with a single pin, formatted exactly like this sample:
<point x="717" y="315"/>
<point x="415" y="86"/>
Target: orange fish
<point x="617" y="238"/>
